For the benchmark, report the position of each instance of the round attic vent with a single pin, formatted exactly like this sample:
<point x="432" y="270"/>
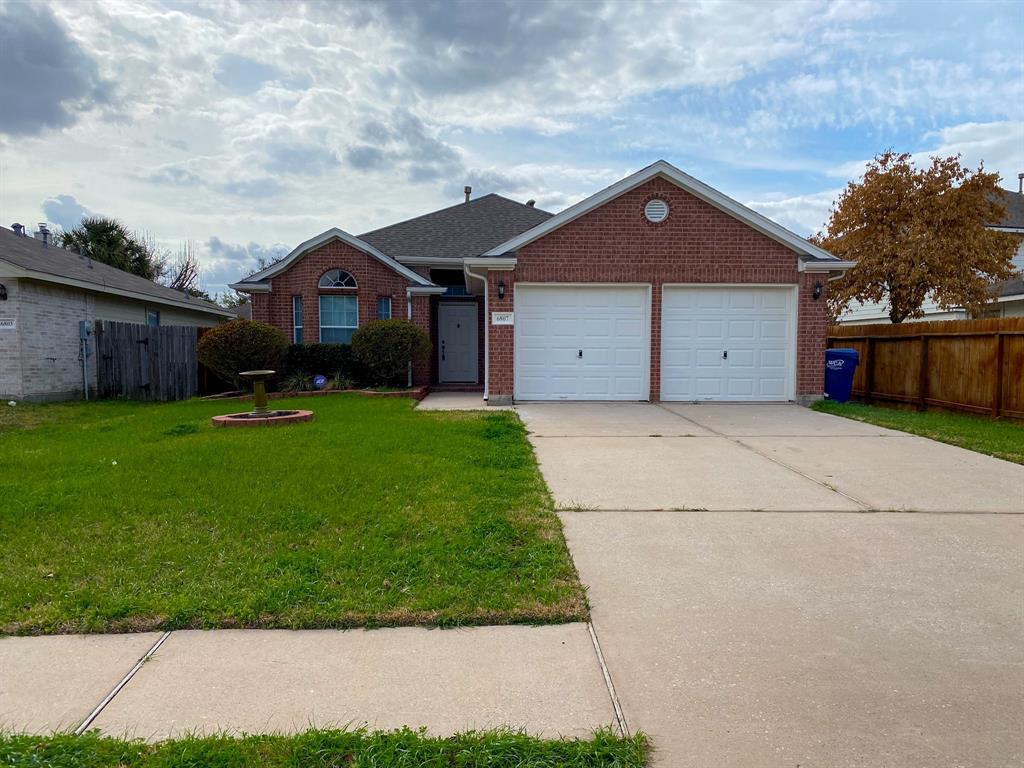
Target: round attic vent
<point x="656" y="210"/>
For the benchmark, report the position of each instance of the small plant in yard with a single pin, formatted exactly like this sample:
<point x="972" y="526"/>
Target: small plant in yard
<point x="297" y="382"/>
<point x="387" y="347"/>
<point x="339" y="382"/>
<point x="241" y="345"/>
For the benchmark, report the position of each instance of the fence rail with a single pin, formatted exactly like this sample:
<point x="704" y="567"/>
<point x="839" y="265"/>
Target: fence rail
<point x="966" y="365"/>
<point x="143" y="362"/>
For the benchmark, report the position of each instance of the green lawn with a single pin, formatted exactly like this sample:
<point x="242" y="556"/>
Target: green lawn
<point x="1003" y="438"/>
<point x="328" y="749"/>
<point x="126" y="517"/>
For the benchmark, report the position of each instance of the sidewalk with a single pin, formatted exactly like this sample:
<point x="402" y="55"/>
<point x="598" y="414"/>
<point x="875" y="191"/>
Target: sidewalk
<point x="545" y="680"/>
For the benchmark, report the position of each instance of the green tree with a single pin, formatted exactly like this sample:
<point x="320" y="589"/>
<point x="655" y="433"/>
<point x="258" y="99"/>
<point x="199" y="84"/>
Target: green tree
<point x="109" y="242"/>
<point x="919" y="233"/>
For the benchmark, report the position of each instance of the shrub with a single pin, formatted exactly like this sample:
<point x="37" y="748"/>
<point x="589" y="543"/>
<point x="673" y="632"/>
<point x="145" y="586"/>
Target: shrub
<point x="297" y="382"/>
<point x="386" y="347"/>
<point x="241" y="345"/>
<point x="323" y="359"/>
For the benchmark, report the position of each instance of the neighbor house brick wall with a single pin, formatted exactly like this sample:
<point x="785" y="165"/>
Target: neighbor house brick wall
<point x="48" y="317"/>
<point x="10" y="342"/>
<point x="696" y="244"/>
<point x="373" y="278"/>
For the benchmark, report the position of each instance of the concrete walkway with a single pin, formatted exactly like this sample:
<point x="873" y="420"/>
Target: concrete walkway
<point x="545" y="680"/>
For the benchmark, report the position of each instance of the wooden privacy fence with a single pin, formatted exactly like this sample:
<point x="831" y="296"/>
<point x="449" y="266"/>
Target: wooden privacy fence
<point x="965" y="365"/>
<point x="143" y="362"/>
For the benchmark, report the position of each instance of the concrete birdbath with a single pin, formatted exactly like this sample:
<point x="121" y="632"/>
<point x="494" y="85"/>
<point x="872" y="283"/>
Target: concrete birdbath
<point x="260" y="415"/>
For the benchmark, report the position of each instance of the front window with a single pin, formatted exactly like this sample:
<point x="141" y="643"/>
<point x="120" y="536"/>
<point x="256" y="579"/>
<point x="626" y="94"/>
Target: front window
<point x="152" y="317"/>
<point x="384" y="308"/>
<point x="337" y="278"/>
<point x="339" y="318"/>
<point x="296" y="319"/>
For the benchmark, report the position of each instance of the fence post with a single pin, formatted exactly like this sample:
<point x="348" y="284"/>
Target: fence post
<point x="997" y="397"/>
<point x="922" y="381"/>
<point x="869" y="371"/>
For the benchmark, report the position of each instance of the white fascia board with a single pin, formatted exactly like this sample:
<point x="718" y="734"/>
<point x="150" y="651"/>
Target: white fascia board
<point x="504" y="263"/>
<point x="46" y="277"/>
<point x="695" y="187"/>
<point x="1011" y="230"/>
<point x="325" y="237"/>
<point x="250" y="287"/>
<point x="428" y="290"/>
<point x="826" y="266"/>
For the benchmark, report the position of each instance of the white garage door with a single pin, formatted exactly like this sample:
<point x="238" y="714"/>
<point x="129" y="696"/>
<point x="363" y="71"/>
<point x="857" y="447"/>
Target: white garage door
<point x="582" y="342"/>
<point x="728" y="343"/>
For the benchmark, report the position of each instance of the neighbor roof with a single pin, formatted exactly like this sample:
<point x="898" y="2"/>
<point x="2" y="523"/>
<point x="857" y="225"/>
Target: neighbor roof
<point x="695" y="187"/>
<point x="51" y="263"/>
<point x="1014" y="204"/>
<point x="459" y="231"/>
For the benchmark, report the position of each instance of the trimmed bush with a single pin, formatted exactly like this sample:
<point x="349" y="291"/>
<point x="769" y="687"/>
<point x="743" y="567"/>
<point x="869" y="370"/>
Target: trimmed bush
<point x="326" y="359"/>
<point x="241" y="345"/>
<point x="386" y="347"/>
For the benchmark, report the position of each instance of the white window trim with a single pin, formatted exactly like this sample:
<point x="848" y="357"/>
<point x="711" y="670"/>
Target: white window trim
<point x="297" y="328"/>
<point x="322" y="287"/>
<point x="319" y="311"/>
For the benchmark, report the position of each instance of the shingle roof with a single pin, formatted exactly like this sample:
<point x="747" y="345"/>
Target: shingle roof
<point x="460" y="231"/>
<point x="30" y="254"/>
<point x="1014" y="204"/>
<point x="1012" y="287"/>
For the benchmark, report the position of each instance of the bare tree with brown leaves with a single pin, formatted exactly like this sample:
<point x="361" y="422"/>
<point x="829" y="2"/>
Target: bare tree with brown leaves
<point x="917" y="234"/>
<point x="183" y="272"/>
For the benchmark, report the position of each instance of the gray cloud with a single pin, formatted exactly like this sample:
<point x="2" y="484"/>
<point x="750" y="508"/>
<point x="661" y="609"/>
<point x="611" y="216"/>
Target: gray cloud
<point x="363" y="157"/>
<point x="252" y="188"/>
<point x="173" y="175"/>
<point x="47" y="79"/>
<point x="242" y="74"/>
<point x="64" y="211"/>
<point x="404" y="142"/>
<point x="226" y="263"/>
<point x="299" y="157"/>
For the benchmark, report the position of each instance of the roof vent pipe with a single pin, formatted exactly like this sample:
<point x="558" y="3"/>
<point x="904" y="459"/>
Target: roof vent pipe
<point x="469" y="191"/>
<point x="43" y="233"/>
<point x="19" y="229"/>
<point x="530" y="203"/>
<point x="1020" y="183"/>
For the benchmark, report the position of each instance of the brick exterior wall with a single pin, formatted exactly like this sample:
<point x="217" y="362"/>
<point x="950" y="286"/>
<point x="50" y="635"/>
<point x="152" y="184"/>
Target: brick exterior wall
<point x="373" y="278"/>
<point x="697" y="243"/>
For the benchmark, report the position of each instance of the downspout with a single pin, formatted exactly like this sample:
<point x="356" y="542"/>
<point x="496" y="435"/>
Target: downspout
<point x="487" y="335"/>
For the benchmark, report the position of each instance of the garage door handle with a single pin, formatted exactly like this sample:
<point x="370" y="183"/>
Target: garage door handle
<point x="442" y="349"/>
<point x="579" y="353"/>
<point x="725" y="354"/>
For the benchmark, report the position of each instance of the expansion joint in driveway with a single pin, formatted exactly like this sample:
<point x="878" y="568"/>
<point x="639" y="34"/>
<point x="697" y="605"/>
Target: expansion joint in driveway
<point x="85" y="724"/>
<point x="620" y="718"/>
<point x="865" y="506"/>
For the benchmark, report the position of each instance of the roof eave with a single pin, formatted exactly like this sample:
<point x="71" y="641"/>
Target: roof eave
<point x="826" y="266"/>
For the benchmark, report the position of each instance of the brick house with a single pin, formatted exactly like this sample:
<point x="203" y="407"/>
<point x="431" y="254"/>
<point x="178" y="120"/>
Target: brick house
<point x="656" y="288"/>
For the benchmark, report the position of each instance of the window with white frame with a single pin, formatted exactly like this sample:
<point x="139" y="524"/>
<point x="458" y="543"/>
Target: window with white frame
<point x="337" y="278"/>
<point x="152" y="316"/>
<point x="296" y="319"/>
<point x="384" y="308"/>
<point x="339" y="318"/>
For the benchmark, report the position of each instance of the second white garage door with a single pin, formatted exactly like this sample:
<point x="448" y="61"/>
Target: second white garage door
<point x="582" y="342"/>
<point x="728" y="343"/>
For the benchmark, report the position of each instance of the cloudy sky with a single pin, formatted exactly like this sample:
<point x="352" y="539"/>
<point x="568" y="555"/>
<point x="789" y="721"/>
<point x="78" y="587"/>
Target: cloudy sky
<point x="247" y="127"/>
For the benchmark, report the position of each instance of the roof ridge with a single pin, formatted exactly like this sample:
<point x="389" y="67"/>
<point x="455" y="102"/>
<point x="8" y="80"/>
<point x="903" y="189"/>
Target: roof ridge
<point x="449" y="208"/>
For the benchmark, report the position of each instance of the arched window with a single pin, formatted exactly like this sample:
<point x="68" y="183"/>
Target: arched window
<point x="337" y="278"/>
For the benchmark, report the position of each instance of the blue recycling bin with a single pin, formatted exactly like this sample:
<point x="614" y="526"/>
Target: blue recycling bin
<point x="839" y="367"/>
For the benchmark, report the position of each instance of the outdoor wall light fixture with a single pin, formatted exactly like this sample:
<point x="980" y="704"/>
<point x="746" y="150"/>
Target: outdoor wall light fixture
<point x="501" y="289"/>
<point x="3" y="292"/>
<point x="818" y="288"/>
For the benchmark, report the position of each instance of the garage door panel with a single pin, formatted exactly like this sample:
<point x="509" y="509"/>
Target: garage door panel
<point x="610" y="325"/>
<point x="755" y="324"/>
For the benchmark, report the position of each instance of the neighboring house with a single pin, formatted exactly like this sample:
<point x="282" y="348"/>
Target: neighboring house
<point x="1007" y="296"/>
<point x="46" y="291"/>
<point x="656" y="288"/>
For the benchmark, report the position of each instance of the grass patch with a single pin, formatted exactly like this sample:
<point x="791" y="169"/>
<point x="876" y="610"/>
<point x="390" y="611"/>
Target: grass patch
<point x="126" y="517"/>
<point x="328" y="749"/>
<point x="1003" y="438"/>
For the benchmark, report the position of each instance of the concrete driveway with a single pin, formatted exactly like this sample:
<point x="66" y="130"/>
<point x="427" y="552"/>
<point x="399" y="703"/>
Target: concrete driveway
<point x="755" y="457"/>
<point x="738" y="637"/>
